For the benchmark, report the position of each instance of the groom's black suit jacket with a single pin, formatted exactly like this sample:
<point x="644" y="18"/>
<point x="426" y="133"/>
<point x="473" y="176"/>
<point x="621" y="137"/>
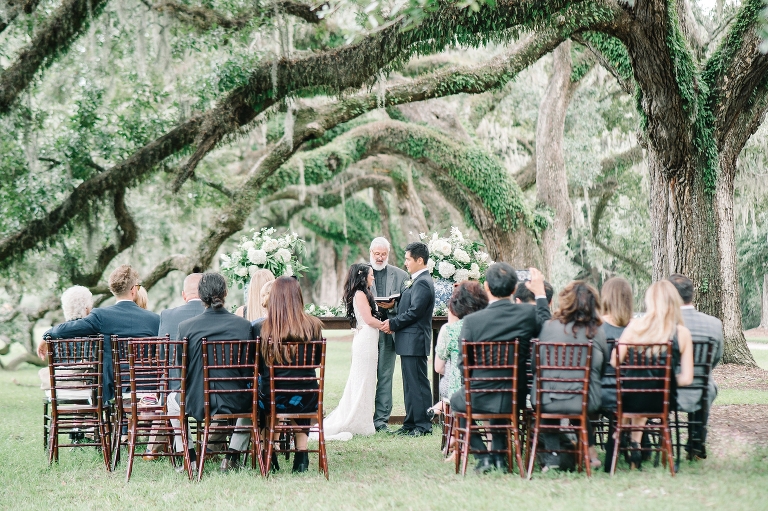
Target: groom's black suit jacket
<point x="413" y="323"/>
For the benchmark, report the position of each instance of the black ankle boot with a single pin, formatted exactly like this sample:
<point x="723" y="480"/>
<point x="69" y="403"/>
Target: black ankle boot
<point x="300" y="461"/>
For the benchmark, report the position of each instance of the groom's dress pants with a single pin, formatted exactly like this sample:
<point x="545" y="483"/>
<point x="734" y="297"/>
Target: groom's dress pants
<point x="384" y="373"/>
<point x="417" y="394"/>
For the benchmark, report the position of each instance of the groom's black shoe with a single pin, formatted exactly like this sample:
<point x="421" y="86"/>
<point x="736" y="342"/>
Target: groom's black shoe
<point x="383" y="429"/>
<point x="414" y="432"/>
<point x="402" y="432"/>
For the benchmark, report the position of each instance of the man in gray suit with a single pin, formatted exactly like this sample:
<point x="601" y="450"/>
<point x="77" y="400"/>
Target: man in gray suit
<point x="703" y="328"/>
<point x="388" y="281"/>
<point x="169" y="325"/>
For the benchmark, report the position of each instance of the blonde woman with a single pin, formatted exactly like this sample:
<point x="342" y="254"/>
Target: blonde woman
<point x="662" y="322"/>
<point x="254" y="309"/>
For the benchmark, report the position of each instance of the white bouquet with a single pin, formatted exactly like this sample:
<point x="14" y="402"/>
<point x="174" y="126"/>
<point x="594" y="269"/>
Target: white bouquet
<point x="263" y="250"/>
<point x="325" y="311"/>
<point x="455" y="258"/>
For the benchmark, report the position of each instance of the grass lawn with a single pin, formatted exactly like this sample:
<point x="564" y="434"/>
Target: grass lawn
<point x="379" y="472"/>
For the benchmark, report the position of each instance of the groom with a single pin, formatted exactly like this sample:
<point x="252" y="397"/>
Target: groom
<point x="413" y="342"/>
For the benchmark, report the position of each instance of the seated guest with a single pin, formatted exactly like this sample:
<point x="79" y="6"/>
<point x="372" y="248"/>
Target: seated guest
<point x="124" y="319"/>
<point x="617" y="304"/>
<point x="662" y="322"/>
<point x="169" y="325"/>
<point x="141" y="298"/>
<point x="502" y="320"/>
<point x="467" y="297"/>
<point x="576" y="321"/>
<point x="76" y="303"/>
<point x="524" y="295"/>
<point x="702" y="327"/>
<point x="287" y="321"/>
<point x="216" y="323"/>
<point x="253" y="309"/>
<point x="264" y="294"/>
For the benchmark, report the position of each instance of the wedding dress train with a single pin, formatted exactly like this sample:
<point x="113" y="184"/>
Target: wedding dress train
<point x="354" y="415"/>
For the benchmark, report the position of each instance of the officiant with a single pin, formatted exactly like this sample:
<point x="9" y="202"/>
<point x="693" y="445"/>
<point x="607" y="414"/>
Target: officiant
<point x="388" y="281"/>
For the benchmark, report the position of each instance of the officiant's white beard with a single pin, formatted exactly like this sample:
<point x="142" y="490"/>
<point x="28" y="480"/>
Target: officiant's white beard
<point x="378" y="267"/>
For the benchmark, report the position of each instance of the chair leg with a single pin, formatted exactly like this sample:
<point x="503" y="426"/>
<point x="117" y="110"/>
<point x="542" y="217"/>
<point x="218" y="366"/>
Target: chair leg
<point x="585" y="446"/>
<point x="616" y="445"/>
<point x="667" y="440"/>
<point x="131" y="448"/>
<point x="203" y="448"/>
<point x="465" y="446"/>
<point x="534" y="443"/>
<point x="270" y="446"/>
<point x="518" y="449"/>
<point x="457" y="448"/>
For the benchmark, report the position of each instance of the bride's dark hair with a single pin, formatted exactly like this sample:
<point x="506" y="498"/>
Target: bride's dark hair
<point x="357" y="280"/>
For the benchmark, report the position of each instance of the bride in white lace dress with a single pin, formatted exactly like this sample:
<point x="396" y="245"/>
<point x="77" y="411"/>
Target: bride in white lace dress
<point x="354" y="415"/>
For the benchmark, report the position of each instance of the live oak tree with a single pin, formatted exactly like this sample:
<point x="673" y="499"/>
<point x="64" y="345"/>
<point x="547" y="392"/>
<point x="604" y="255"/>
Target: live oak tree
<point x="700" y="94"/>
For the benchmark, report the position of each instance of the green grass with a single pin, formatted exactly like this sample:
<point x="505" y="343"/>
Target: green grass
<point x="379" y="472"/>
<point x="761" y="358"/>
<point x="757" y="339"/>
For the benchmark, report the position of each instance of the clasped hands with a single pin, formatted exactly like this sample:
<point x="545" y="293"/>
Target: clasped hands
<point x="385" y="327"/>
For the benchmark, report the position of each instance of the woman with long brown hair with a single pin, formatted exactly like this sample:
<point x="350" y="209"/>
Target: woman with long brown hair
<point x="286" y="321"/>
<point x="576" y="321"/>
<point x="661" y="323"/>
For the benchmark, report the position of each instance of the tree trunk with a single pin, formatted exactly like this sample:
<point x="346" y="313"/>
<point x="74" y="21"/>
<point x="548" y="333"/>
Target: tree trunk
<point x="327" y="291"/>
<point x="551" y="177"/>
<point x="764" y="312"/>
<point x="736" y="350"/>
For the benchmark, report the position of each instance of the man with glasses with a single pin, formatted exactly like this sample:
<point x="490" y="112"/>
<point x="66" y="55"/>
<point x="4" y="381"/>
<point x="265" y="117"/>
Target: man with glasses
<point x="124" y="319"/>
<point x="388" y="281"/>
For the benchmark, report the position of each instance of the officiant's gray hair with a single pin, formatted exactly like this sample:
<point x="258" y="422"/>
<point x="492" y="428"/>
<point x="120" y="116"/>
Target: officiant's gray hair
<point x="381" y="242"/>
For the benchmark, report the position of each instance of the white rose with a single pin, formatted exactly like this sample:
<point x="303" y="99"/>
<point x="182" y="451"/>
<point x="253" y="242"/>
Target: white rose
<point x="456" y="233"/>
<point x="283" y="255"/>
<point x="445" y="248"/>
<point x="225" y="261"/>
<point x="461" y="275"/>
<point x="481" y="256"/>
<point x="269" y="245"/>
<point x="461" y="256"/>
<point x="257" y="256"/>
<point x="446" y="269"/>
<point x="474" y="272"/>
<point x="430" y="265"/>
<point x="282" y="243"/>
<point x="241" y="271"/>
<point x="288" y="271"/>
<point x="248" y="245"/>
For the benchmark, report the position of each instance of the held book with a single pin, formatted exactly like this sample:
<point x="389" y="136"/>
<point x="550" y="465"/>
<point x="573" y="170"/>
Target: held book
<point x="384" y="299"/>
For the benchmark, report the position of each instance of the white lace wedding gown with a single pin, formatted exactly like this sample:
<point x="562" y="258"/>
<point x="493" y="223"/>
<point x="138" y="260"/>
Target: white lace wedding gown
<point x="354" y="415"/>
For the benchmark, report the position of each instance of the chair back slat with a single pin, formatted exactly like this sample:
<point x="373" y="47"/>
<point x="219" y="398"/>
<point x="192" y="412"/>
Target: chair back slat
<point x="490" y="361"/>
<point x="229" y="367"/>
<point x="154" y="363"/>
<point x="646" y="368"/>
<point x="307" y="356"/>
<point x="559" y="363"/>
<point x="75" y="365"/>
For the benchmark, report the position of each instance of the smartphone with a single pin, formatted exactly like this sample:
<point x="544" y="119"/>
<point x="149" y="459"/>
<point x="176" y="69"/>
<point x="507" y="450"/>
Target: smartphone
<point x="523" y="275"/>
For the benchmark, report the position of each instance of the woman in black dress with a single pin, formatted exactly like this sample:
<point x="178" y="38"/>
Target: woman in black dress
<point x="662" y="322"/>
<point x="287" y="321"/>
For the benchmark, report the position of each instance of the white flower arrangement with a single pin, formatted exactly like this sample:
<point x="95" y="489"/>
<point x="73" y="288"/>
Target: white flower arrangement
<point x="325" y="311"/>
<point x="276" y="253"/>
<point x="455" y="257"/>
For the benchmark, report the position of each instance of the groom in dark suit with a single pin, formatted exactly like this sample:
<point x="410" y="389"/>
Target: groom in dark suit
<point x="413" y="339"/>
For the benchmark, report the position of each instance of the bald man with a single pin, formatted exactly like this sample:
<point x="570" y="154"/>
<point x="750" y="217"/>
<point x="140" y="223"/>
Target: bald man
<point x="169" y="324"/>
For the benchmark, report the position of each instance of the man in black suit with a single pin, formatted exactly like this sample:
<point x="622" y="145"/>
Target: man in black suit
<point x="215" y="324"/>
<point x="413" y="339"/>
<point x="124" y="319"/>
<point x="502" y="320"/>
<point x="703" y="328"/>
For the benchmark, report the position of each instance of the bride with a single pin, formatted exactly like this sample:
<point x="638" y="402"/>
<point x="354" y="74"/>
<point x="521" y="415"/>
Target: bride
<point x="354" y="415"/>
